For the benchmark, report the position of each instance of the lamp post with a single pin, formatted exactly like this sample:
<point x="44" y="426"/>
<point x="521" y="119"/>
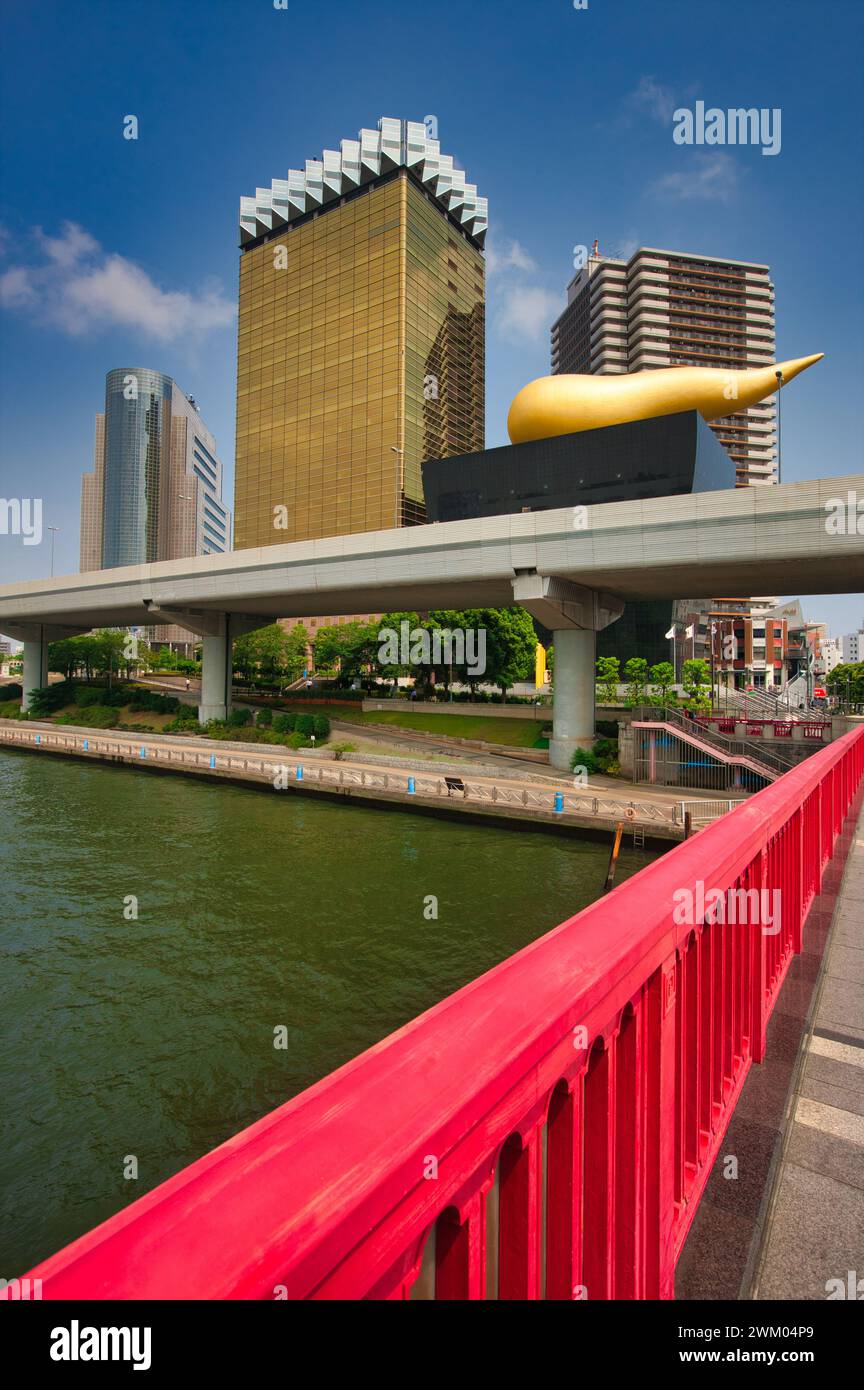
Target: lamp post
<point x="53" y="530"/>
<point x="779" y="376"/>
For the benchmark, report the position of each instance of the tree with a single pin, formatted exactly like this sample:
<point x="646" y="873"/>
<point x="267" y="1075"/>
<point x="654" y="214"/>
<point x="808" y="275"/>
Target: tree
<point x="609" y="675"/>
<point x="663" y="679"/>
<point x="65" y="656"/>
<point x="351" y="648"/>
<point x="296" y="652"/>
<point x="270" y="650"/>
<point x="392" y="670"/>
<point x="696" y="680"/>
<point x="636" y="676"/>
<point x="847" y="682"/>
<point x="510" y="645"/>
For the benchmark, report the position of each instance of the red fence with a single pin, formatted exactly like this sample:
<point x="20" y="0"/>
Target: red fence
<point x="544" y="1132"/>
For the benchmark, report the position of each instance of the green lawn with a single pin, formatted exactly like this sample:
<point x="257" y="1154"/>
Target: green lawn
<point x="517" y="733"/>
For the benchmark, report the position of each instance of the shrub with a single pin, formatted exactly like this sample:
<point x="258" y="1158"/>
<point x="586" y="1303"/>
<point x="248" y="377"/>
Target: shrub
<point x="305" y="724"/>
<point x="583" y="757"/>
<point x="93" y="717"/>
<point x="239" y="718"/>
<point x="264" y="718"/>
<point x="50" y="698"/>
<point x="607" y="728"/>
<point x="11" y="692"/>
<point x="87" y="695"/>
<point x="186" y="714"/>
<point x="140" y="699"/>
<point x="10" y="709"/>
<point x="605" y="749"/>
<point x="321" y="726"/>
<point x="340" y="748"/>
<point x="603" y="757"/>
<point x="184" y="721"/>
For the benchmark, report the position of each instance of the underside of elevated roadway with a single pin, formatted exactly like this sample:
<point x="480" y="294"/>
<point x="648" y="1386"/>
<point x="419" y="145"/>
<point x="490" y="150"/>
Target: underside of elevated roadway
<point x="734" y="543"/>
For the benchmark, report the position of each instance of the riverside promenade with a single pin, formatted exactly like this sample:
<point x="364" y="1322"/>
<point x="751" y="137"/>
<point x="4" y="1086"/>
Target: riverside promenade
<point x="443" y="788"/>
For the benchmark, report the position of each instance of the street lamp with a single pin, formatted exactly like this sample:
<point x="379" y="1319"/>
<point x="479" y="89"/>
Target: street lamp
<point x="53" y="530"/>
<point x="779" y="376"/>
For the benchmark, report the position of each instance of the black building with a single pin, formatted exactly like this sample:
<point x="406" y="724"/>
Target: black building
<point x="662" y="457"/>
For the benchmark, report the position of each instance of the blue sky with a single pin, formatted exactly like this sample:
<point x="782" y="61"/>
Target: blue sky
<point x="124" y="253"/>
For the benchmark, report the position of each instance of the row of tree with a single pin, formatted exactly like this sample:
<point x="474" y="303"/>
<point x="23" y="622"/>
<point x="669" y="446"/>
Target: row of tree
<point x="651" y="684"/>
<point x="351" y="651"/>
<point x="356" y="651"/>
<point x="272" y="654"/>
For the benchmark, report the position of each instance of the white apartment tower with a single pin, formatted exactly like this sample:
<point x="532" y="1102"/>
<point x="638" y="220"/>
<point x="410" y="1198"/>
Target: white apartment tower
<point x="675" y="309"/>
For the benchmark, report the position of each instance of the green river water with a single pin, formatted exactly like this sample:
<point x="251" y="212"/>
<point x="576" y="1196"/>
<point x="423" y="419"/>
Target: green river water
<point x="154" y="1037"/>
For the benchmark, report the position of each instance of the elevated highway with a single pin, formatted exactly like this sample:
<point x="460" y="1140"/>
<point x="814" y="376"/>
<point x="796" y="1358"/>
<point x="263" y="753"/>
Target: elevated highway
<point x="573" y="568"/>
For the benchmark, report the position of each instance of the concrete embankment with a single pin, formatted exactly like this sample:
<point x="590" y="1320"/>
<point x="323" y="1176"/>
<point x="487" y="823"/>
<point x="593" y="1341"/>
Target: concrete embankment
<point x="526" y="804"/>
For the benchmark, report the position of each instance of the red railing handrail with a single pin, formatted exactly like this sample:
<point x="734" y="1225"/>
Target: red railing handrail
<point x="305" y="1194"/>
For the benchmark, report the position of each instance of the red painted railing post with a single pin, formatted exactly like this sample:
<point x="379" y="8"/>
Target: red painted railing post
<point x="520" y="1212"/>
<point x="461" y="1252"/>
<point x="663" y="1130"/>
<point x="629" y="1154"/>
<point x="564" y="1192"/>
<point x="798" y="881"/>
<point x="759" y="972"/>
<point x="599" y="1191"/>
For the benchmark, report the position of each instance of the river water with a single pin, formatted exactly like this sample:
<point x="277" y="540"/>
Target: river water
<point x="152" y="1038"/>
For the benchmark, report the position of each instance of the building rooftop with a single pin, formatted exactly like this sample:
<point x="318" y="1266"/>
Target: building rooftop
<point x="395" y="144"/>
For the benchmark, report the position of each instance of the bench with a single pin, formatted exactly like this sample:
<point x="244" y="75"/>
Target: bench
<point x="455" y="784"/>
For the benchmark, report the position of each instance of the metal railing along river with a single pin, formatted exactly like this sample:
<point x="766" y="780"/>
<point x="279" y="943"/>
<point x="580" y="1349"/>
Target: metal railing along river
<point x="137" y="749"/>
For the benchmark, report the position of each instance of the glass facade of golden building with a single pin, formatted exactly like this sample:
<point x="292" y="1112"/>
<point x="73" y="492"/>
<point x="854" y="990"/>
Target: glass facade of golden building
<point x="360" y="355"/>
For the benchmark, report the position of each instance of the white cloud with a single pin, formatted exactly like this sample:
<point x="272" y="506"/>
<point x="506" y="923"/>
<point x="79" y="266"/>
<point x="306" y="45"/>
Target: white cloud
<point x="712" y="177"/>
<point x="71" y="246"/>
<point x="526" y="312"/>
<point x="16" y="288"/>
<point x="654" y="99"/>
<point x="81" y="289"/>
<point x="512" y="256"/>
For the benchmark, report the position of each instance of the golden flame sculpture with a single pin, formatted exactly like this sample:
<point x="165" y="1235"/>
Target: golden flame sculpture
<point x="565" y="404"/>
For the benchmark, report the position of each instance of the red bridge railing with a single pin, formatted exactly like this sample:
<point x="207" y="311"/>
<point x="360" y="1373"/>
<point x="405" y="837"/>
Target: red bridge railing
<point x="544" y="1132"/>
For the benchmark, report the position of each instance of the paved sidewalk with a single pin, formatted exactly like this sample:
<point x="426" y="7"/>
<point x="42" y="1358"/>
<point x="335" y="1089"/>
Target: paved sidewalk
<point x="815" y="1228"/>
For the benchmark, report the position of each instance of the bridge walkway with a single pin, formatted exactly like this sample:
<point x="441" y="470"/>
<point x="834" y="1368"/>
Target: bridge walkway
<point x="815" y="1228"/>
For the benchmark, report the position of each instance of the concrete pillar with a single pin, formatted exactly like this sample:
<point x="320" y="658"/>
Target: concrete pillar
<point x="572" y="694"/>
<point x="35" y="668"/>
<point x="216" y="673"/>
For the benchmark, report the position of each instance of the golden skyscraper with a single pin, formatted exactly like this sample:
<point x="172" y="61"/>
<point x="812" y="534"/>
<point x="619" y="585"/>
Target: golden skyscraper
<point x="361" y="337"/>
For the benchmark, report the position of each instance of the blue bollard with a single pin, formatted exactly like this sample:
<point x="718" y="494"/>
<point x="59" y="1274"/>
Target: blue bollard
<point x="299" y="772"/>
<point x="143" y="753"/>
<point x="212" y="759"/>
<point x="86" y="744"/>
<point x="411" y="786"/>
<point x="559" y="802"/>
<point x="38" y="738"/>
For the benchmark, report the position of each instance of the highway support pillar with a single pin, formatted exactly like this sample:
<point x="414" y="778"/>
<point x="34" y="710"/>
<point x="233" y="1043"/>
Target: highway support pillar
<point x="575" y="615"/>
<point x="217" y="632"/>
<point x="37" y="638"/>
<point x="34" y="664"/>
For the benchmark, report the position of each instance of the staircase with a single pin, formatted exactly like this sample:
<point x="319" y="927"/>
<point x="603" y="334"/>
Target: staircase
<point x="768" y="763"/>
